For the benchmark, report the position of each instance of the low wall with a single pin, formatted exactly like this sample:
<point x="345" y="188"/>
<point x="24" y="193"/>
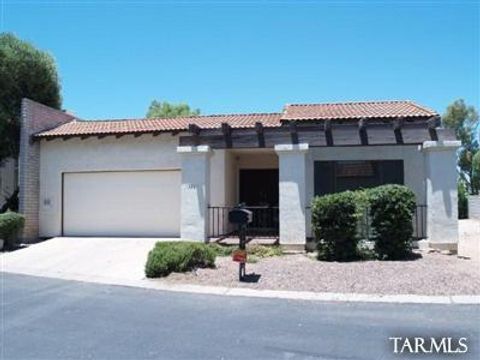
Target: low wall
<point x="474" y="207"/>
<point x="469" y="238"/>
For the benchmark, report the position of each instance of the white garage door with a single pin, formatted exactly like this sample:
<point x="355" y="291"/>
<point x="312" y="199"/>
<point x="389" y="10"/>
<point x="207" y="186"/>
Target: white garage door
<point x="136" y="203"/>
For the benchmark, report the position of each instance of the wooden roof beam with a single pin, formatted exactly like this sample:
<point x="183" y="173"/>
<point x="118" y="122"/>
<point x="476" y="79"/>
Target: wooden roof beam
<point x="327" y="127"/>
<point x="362" y="130"/>
<point x="292" y="126"/>
<point x="432" y="128"/>
<point x="195" y="131"/>
<point x="397" y="129"/>
<point x="227" y="134"/>
<point x="260" y="134"/>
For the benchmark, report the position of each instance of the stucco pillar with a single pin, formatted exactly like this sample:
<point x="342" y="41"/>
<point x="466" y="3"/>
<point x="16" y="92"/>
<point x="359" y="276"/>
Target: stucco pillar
<point x="195" y="191"/>
<point x="292" y="193"/>
<point x="441" y="193"/>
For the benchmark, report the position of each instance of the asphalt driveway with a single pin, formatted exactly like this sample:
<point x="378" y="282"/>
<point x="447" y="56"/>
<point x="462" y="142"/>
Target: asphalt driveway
<point x="105" y="260"/>
<point x="57" y="319"/>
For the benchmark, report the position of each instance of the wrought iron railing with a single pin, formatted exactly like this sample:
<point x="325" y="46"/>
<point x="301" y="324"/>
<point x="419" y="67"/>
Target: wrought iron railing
<point x="419" y="222"/>
<point x="265" y="221"/>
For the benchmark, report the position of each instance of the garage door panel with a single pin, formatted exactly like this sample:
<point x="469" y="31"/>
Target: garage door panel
<point x="137" y="203"/>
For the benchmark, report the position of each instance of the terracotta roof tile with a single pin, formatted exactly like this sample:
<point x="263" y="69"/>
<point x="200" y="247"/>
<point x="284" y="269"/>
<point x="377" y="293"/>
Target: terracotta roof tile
<point x="356" y="110"/>
<point x="337" y="111"/>
<point x="132" y="126"/>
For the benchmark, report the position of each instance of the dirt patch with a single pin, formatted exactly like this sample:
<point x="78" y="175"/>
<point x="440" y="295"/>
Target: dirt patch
<point x="432" y="274"/>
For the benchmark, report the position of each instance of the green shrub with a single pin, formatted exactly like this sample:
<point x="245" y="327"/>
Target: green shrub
<point x="462" y="200"/>
<point x="223" y="250"/>
<point x="10" y="224"/>
<point x="391" y="212"/>
<point x="168" y="257"/>
<point x="334" y="224"/>
<point x="263" y="251"/>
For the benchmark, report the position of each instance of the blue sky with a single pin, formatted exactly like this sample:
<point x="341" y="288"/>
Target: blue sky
<point x="252" y="56"/>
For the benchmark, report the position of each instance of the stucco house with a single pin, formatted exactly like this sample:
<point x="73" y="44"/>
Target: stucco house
<point x="178" y="177"/>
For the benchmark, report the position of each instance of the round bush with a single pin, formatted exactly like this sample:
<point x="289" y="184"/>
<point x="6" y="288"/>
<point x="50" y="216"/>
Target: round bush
<point x="334" y="223"/>
<point x="10" y="224"/>
<point x="391" y="212"/>
<point x="168" y="257"/>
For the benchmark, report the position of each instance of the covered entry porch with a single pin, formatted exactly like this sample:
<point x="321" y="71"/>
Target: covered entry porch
<point x="220" y="167"/>
<point x="249" y="177"/>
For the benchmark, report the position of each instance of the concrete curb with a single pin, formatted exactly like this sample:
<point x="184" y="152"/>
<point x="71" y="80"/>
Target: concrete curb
<point x="270" y="294"/>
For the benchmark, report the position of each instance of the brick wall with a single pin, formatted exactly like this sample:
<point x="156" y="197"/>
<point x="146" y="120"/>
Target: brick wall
<point x="35" y="118"/>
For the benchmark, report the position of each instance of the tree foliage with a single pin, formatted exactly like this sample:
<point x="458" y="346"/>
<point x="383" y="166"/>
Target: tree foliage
<point x="25" y="72"/>
<point x="476" y="171"/>
<point x="464" y="120"/>
<point x="163" y="109"/>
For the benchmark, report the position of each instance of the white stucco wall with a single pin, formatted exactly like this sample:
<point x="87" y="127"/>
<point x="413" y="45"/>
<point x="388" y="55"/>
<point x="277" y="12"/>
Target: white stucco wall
<point x="195" y="191"/>
<point x="474" y="207"/>
<point x="146" y="152"/>
<point x="292" y="193"/>
<point x="441" y="190"/>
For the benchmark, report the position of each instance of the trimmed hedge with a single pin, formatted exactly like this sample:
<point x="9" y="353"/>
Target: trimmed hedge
<point x="168" y="257"/>
<point x="334" y="224"/>
<point x="10" y="224"/>
<point x="391" y="211"/>
<point x="339" y="221"/>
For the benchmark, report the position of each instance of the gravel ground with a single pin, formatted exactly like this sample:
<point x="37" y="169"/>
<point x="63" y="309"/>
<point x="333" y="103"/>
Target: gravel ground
<point x="432" y="274"/>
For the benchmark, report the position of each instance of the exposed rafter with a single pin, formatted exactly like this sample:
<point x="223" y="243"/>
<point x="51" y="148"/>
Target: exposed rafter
<point x="397" y="130"/>
<point x="292" y="125"/>
<point x="327" y="127"/>
<point x="260" y="134"/>
<point x="227" y="134"/>
<point x="432" y="128"/>
<point x="362" y="130"/>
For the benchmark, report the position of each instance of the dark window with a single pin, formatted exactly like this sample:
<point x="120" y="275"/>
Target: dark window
<point x="336" y="176"/>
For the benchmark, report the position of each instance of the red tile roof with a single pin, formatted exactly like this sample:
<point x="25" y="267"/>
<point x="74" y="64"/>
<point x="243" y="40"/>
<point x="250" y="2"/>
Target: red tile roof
<point x="356" y="110"/>
<point x="132" y="126"/>
<point x="338" y="111"/>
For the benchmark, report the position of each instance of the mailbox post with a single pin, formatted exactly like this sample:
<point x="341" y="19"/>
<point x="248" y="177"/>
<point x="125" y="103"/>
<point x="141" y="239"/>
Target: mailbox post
<point x="241" y="217"/>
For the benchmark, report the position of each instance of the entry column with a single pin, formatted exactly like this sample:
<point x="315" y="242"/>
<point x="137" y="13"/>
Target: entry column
<point x="441" y="190"/>
<point x="292" y="194"/>
<point x="195" y="190"/>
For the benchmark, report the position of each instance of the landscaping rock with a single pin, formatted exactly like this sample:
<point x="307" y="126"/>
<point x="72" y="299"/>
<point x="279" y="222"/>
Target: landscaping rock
<point x="432" y="274"/>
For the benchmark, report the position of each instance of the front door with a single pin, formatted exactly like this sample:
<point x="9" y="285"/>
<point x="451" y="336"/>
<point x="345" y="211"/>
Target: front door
<point x="259" y="192"/>
<point x="259" y="187"/>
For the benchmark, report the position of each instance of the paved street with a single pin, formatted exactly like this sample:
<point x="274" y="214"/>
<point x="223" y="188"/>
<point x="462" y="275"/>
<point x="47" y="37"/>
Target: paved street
<point x="56" y="319"/>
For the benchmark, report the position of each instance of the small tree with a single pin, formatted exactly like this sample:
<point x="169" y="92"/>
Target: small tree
<point x="159" y="109"/>
<point x="464" y="120"/>
<point x="25" y="72"/>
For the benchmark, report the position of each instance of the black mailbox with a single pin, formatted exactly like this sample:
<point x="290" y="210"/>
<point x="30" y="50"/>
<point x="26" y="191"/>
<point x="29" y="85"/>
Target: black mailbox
<point x="240" y="216"/>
